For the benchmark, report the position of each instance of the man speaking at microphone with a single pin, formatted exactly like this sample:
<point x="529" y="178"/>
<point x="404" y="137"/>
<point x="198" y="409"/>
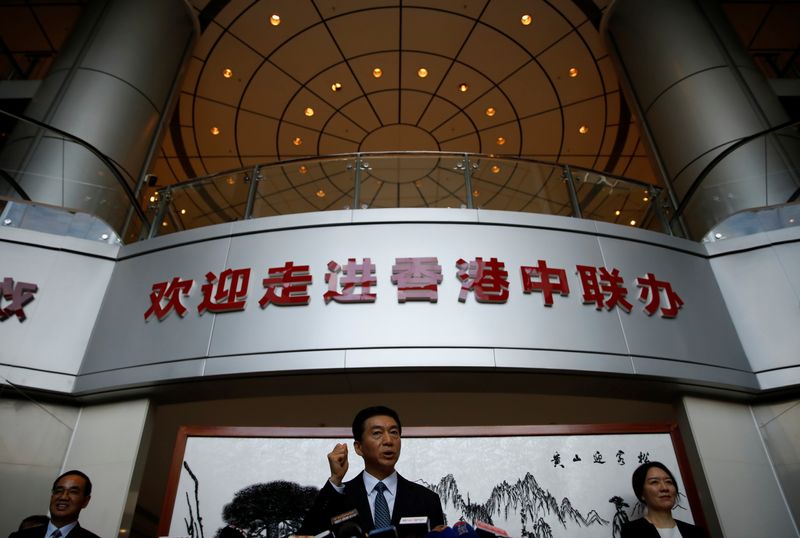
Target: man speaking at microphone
<point x="381" y="496"/>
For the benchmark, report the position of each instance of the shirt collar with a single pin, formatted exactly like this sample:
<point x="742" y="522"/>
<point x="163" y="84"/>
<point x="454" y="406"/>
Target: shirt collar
<point x="65" y="530"/>
<point x="390" y="482"/>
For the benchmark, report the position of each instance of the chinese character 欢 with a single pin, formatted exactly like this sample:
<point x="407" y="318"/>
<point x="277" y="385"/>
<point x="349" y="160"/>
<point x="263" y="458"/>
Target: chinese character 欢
<point x="352" y="275"/>
<point x="20" y="294"/>
<point x="231" y="291"/>
<point x="607" y="291"/>
<point x="651" y="294"/>
<point x="171" y="292"/>
<point x="417" y="279"/>
<point x="557" y="460"/>
<point x="545" y="284"/>
<point x="286" y="286"/>
<point x="488" y="279"/>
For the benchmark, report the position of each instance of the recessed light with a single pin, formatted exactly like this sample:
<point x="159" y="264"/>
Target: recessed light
<point x="526" y="19"/>
<point x="500" y="140"/>
<point x="583" y="129"/>
<point x="183" y="211"/>
<point x="377" y="72"/>
<point x="320" y="193"/>
<point x="230" y="180"/>
<point x="490" y="111"/>
<point x="422" y="72"/>
<point x="573" y="72"/>
<point x="308" y="111"/>
<point x="336" y="86"/>
<point x="275" y="20"/>
<point x="616" y="212"/>
<point x="633" y="223"/>
<point x="153" y="198"/>
<point x="463" y="87"/>
<point x="495" y="169"/>
<point x="297" y="141"/>
<point x="645" y="199"/>
<point x="215" y="131"/>
<point x="104" y="236"/>
<point x="164" y="223"/>
<point x="227" y="73"/>
<point x="303" y="169"/>
<point x="718" y="235"/>
<point x="476" y="193"/>
<point x="791" y="221"/>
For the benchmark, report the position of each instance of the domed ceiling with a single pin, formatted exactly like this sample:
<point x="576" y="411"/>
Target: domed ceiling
<point x="277" y="80"/>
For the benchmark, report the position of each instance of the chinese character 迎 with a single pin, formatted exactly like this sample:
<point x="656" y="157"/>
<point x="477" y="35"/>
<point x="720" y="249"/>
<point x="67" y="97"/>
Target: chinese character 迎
<point x="608" y="291"/>
<point x="352" y="275"/>
<point x="286" y="286"/>
<point x="20" y="294"/>
<point x="651" y="295"/>
<point x="545" y="284"/>
<point x="417" y="279"/>
<point x="171" y="292"/>
<point x="231" y="291"/>
<point x="597" y="457"/>
<point x="488" y="279"/>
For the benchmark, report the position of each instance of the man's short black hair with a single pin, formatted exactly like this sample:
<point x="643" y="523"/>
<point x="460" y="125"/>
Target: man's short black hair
<point x="87" y="490"/>
<point x="640" y="475"/>
<point x="369" y="412"/>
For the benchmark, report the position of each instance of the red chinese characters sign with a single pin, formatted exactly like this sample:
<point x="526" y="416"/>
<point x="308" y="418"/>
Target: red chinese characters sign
<point x="415" y="279"/>
<point x="13" y="298"/>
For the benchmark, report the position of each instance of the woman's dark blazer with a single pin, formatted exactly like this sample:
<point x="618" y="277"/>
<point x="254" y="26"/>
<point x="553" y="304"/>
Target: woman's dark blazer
<point x="641" y="528"/>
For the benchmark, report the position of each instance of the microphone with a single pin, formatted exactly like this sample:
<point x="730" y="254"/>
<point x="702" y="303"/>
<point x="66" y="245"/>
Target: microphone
<point x="484" y="530"/>
<point x="414" y="527"/>
<point x="383" y="532"/>
<point x="346" y="525"/>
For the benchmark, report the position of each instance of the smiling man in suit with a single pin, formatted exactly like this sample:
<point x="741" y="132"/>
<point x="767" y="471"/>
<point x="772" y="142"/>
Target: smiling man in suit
<point x="71" y="494"/>
<point x="380" y="494"/>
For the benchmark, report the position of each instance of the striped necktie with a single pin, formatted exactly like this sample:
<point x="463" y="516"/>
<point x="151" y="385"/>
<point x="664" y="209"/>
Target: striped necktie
<point x="382" y="517"/>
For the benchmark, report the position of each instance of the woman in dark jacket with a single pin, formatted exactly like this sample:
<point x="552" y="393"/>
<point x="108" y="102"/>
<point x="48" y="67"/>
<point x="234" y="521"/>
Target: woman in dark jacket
<point x="655" y="486"/>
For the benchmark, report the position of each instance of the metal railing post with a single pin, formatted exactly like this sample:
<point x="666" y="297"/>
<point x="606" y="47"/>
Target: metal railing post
<point x="468" y="181"/>
<point x="655" y="197"/>
<point x="163" y="204"/>
<point x="573" y="195"/>
<point x="357" y="183"/>
<point x="255" y="177"/>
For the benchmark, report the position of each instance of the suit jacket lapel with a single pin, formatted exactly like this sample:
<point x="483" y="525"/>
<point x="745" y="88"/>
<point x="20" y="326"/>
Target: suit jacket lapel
<point x="401" y="501"/>
<point x="358" y="496"/>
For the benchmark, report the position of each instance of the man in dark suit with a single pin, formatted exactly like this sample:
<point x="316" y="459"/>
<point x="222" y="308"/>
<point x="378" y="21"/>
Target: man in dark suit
<point x="71" y="493"/>
<point x="376" y="431"/>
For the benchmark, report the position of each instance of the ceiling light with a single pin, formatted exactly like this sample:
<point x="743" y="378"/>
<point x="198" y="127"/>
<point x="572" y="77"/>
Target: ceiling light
<point x="490" y="111"/>
<point x="336" y="86"/>
<point x="230" y="180"/>
<point x="526" y="19"/>
<point x="303" y="169"/>
<point x="633" y="223"/>
<point x="320" y="193"/>
<point x="309" y="112"/>
<point x="718" y="235"/>
<point x="297" y="141"/>
<point x="183" y="211"/>
<point x="645" y="199"/>
<point x="495" y="169"/>
<point x="164" y="223"/>
<point x="463" y="87"/>
<point x="227" y="73"/>
<point x="500" y="140"/>
<point x="377" y="72"/>
<point x="616" y="212"/>
<point x="7" y="221"/>
<point x="275" y="20"/>
<point x="573" y="72"/>
<point x="583" y="129"/>
<point x="791" y="221"/>
<point x="104" y="236"/>
<point x="215" y="131"/>
<point x="476" y="193"/>
<point x="422" y="72"/>
<point x="153" y="198"/>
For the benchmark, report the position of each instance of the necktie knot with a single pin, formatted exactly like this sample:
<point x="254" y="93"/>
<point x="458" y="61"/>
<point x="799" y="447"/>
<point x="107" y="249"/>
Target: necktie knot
<point x="381" y="487"/>
<point x="56" y="534"/>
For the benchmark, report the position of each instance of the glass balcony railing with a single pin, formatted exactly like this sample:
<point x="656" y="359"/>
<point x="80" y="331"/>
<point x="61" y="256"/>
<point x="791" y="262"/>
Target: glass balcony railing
<point x="54" y="182"/>
<point x="408" y="179"/>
